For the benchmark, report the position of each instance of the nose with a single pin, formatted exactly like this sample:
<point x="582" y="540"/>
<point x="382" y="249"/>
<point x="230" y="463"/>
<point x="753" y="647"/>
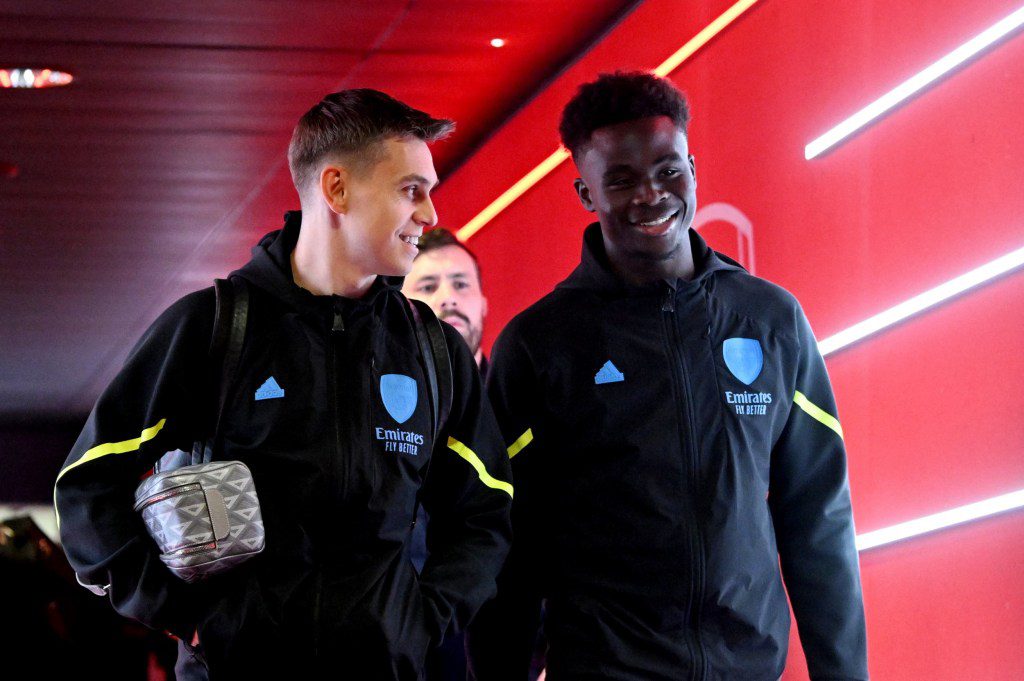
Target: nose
<point x="649" y="192"/>
<point x="446" y="299"/>
<point x="425" y="215"/>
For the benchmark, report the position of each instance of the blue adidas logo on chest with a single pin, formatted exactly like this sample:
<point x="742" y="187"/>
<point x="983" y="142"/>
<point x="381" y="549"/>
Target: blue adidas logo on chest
<point x="270" y="390"/>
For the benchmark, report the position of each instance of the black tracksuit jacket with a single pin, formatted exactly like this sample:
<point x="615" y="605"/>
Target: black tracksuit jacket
<point x="333" y="592"/>
<point x="671" y="444"/>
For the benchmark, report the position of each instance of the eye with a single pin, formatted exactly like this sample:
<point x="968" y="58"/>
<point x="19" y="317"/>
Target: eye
<point x="670" y="172"/>
<point x="619" y="183"/>
<point x="460" y="285"/>
<point x="411" y="190"/>
<point x="426" y="288"/>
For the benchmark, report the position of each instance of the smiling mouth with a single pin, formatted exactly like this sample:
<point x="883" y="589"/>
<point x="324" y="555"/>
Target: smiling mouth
<point x="657" y="221"/>
<point x="414" y="240"/>
<point x="658" y="226"/>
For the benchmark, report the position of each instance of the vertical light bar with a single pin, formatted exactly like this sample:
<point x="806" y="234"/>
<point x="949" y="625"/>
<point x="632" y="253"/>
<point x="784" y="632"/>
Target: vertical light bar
<point x="922" y="301"/>
<point x="913" y="84"/>
<point x="938" y="521"/>
<point x="554" y="160"/>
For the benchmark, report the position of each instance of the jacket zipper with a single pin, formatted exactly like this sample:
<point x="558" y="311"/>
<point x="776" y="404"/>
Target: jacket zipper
<point x="337" y="328"/>
<point x="690" y="443"/>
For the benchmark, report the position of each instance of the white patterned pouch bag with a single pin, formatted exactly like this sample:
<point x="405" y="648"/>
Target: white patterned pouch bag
<point x="205" y="518"/>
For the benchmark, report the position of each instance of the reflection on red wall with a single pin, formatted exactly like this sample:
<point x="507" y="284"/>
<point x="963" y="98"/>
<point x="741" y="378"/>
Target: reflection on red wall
<point x="931" y="407"/>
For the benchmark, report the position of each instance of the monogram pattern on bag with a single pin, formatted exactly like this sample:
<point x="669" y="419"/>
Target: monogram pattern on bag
<point x="184" y="520"/>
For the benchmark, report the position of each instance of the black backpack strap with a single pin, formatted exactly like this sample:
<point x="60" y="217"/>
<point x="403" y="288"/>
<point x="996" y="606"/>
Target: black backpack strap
<point x="437" y="363"/>
<point x="230" y="320"/>
<point x="438" y="367"/>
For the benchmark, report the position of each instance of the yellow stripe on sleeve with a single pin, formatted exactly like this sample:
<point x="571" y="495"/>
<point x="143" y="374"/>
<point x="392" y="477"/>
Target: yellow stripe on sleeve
<point x="517" y="446"/>
<point x="474" y="461"/>
<point x="817" y="413"/>
<point x="123" y="447"/>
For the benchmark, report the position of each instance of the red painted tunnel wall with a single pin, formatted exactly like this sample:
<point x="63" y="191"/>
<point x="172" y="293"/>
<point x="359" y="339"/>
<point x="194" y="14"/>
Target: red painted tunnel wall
<point x="931" y="407"/>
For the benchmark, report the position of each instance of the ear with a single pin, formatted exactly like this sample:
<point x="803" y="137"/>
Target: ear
<point x="483" y="307"/>
<point x="693" y="169"/>
<point x="335" y="187"/>
<point x="583" y="191"/>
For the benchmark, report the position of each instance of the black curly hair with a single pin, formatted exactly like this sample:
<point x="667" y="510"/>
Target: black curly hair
<point x="616" y="98"/>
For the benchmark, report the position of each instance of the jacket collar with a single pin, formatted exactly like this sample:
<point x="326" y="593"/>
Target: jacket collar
<point x="595" y="272"/>
<point x="271" y="269"/>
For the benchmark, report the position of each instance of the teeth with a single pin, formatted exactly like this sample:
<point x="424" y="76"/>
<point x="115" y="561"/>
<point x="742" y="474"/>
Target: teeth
<point x="659" y="221"/>
<point x="414" y="240"/>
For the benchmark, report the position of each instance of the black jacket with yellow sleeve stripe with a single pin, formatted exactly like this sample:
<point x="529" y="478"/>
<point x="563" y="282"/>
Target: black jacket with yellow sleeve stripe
<point x="671" y="443"/>
<point x="329" y="409"/>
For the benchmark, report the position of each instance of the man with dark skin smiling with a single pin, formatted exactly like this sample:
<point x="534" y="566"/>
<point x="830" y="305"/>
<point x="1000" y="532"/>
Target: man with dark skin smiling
<point x="678" y="461"/>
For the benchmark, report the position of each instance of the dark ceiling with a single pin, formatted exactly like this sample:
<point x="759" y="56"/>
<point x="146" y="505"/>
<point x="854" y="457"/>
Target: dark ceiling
<point x="160" y="165"/>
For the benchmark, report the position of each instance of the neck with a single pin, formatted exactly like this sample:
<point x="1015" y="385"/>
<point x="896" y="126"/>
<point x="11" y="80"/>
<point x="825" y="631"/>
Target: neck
<point x="322" y="260"/>
<point x="639" y="269"/>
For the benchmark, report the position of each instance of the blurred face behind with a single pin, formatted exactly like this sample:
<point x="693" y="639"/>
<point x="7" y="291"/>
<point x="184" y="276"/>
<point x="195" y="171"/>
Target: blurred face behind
<point x="446" y="279"/>
<point x="389" y="206"/>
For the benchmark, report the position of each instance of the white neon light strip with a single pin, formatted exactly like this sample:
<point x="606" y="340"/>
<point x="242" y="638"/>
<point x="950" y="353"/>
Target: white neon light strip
<point x="922" y="301"/>
<point x="914" y="83"/>
<point x="938" y="521"/>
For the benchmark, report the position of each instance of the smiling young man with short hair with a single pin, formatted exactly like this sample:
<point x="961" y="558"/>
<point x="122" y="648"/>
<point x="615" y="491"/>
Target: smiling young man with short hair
<point x="331" y="411"/>
<point x="674" y="439"/>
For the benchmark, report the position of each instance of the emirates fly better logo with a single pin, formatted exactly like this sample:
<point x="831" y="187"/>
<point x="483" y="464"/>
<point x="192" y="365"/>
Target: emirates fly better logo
<point x="744" y="358"/>
<point x="399" y="394"/>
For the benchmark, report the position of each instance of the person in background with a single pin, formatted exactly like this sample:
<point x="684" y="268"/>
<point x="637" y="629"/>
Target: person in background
<point x="446" y="276"/>
<point x="331" y="414"/>
<point x="678" y="461"/>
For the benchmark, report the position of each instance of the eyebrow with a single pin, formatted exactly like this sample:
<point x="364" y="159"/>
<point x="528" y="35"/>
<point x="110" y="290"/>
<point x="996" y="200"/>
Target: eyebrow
<point x="625" y="167"/>
<point x="436" y="277"/>
<point x="416" y="177"/>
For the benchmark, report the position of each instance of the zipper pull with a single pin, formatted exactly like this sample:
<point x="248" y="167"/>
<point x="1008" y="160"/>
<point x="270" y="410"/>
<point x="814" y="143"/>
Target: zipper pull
<point x="339" y="323"/>
<point x="669" y="302"/>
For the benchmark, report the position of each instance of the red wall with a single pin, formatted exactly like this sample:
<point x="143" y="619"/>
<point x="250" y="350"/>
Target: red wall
<point x="931" y="407"/>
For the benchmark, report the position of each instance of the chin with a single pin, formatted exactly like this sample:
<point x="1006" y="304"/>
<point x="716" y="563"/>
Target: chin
<point x="398" y="267"/>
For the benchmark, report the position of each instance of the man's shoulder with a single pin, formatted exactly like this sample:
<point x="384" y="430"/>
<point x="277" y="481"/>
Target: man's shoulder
<point x="189" y="309"/>
<point x="187" y="321"/>
<point x="756" y="298"/>
<point x="544" y="317"/>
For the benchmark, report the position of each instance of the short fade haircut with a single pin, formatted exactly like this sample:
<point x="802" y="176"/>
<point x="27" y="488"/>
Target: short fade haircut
<point x="352" y="124"/>
<point x="440" y="238"/>
<point x="617" y="98"/>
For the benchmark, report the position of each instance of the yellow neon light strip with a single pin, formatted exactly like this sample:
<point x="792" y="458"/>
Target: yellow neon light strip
<point x="701" y="39"/>
<point x="817" y="413"/>
<point x="474" y="461"/>
<point x="512" y="193"/>
<point x="517" y="446"/>
<point x="545" y="167"/>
